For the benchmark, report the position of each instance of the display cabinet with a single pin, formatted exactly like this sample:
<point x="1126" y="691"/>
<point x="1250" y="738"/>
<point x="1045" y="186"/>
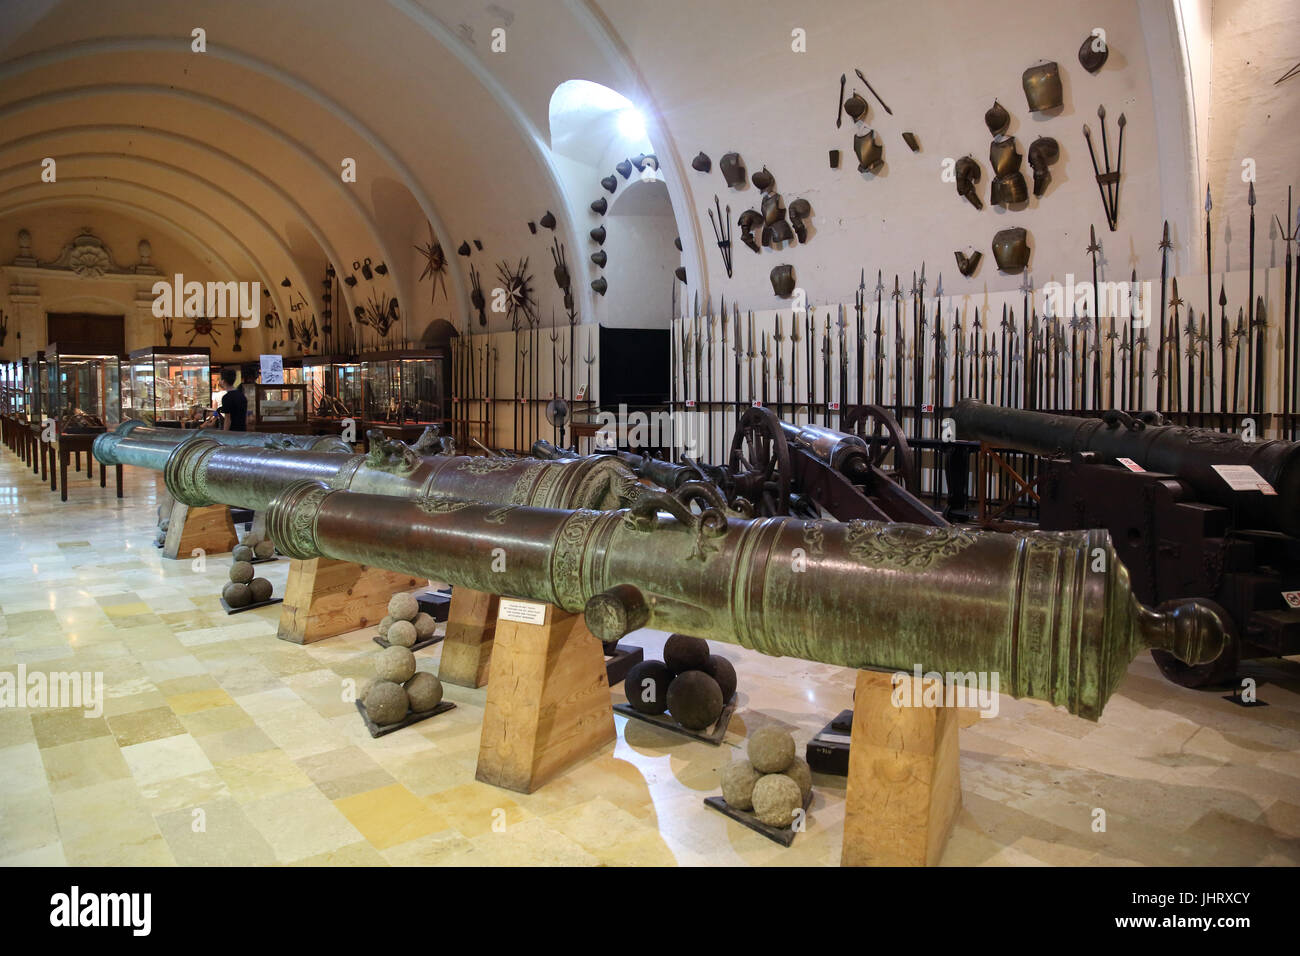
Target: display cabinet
<point x="84" y="392"/>
<point x="281" y="408"/>
<point x="161" y="385"/>
<point x="35" y="385"/>
<point x="18" y="390"/>
<point x="404" y="390"/>
<point x="333" y="387"/>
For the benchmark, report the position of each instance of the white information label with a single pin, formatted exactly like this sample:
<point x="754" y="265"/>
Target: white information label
<point x="832" y="738"/>
<point x="1243" y="478"/>
<point x="272" y="367"/>
<point x="1292" y="598"/>
<point x="521" y="612"/>
<point x="1131" y="465"/>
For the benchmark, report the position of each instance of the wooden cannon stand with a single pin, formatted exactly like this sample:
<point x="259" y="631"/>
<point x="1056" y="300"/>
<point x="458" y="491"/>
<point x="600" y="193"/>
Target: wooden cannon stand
<point x="324" y="597"/>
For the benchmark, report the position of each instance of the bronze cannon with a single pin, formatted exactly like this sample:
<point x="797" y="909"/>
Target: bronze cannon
<point x="1051" y="613"/>
<point x="1191" y="454"/>
<point x="200" y="473"/>
<point x="135" y="443"/>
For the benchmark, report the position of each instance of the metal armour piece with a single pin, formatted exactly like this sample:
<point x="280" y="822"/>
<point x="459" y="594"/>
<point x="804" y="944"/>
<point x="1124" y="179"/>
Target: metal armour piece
<point x="1011" y="249"/>
<point x="781" y="231"/>
<point x="1042" y="85"/>
<point x="762" y="179"/>
<point x="701" y="163"/>
<point x="1090" y="58"/>
<point x="783" y="280"/>
<point x="870" y="152"/>
<point x="856" y="107"/>
<point x="1004" y="157"/>
<point x="1043" y="152"/>
<point x="1009" y="190"/>
<point x="968" y="174"/>
<point x="733" y="170"/>
<point x="773" y="210"/>
<point x="967" y="265"/>
<point x="749" y="220"/>
<point x="996" y="118"/>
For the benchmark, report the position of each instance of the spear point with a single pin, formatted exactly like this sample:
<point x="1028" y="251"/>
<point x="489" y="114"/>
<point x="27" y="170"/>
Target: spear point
<point x="1208" y="204"/>
<point x="1223" y="296"/>
<point x="1164" y="241"/>
<point x="1101" y="113"/>
<point x="1251" y="195"/>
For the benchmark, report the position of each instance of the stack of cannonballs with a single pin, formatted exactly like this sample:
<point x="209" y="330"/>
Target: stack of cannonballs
<point x="244" y="588"/>
<point x="771" y="782"/>
<point x="398" y="689"/>
<point x="691" y="684"/>
<point x="255" y="546"/>
<point x="405" y="624"/>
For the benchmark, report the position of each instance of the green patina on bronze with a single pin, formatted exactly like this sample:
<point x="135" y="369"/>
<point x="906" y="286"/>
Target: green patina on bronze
<point x="1051" y="613"/>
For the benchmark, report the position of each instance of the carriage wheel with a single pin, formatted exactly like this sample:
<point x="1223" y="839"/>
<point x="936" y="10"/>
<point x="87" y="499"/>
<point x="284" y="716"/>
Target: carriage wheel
<point x="760" y="462"/>
<point x="884" y="437"/>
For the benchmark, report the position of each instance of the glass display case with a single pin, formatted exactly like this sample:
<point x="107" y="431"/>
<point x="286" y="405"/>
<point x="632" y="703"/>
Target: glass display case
<point x="281" y="408"/>
<point x="18" y="390"/>
<point x="35" y="385"/>
<point x="333" y="386"/>
<point x="84" y="390"/>
<point x="404" y="390"/>
<point x="161" y="385"/>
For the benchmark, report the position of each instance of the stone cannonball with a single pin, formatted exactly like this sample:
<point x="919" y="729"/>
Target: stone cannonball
<point x="365" y="689"/>
<point x="396" y="664"/>
<point x="386" y="703"/>
<point x="384" y="625"/>
<point x="694" y="700"/>
<point x="776" y="798"/>
<point x="401" y="633"/>
<point x="264" y="549"/>
<point x="424" y="691"/>
<point x="646" y="686"/>
<point x="800" y="773"/>
<point x="425" y="625"/>
<point x="682" y="653"/>
<point x="237" y="594"/>
<point x="771" y="749"/>
<point x="261" y="589"/>
<point x="721" y="670"/>
<point x="738" y="779"/>
<point x="403" y="607"/>
<point x="243" y="552"/>
<point x="241" y="572"/>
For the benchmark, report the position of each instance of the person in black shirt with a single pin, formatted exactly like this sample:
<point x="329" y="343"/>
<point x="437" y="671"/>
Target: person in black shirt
<point x="234" y="404"/>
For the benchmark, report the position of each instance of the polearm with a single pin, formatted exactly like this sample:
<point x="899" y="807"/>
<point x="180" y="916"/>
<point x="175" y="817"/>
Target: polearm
<point x="1287" y="407"/>
<point x="1256" y="373"/>
<point x="699" y="377"/>
<point x="1006" y="325"/>
<point x="959" y="354"/>
<point x="918" y="350"/>
<point x="739" y="348"/>
<point x="777" y="339"/>
<point x="1176" y="350"/>
<point x="898" y="347"/>
<point x="1111" y="338"/>
<point x="672" y="375"/>
<point x="764" y="353"/>
<point x="937" y="335"/>
<point x="844" y="363"/>
<point x="722" y="361"/>
<point x="1126" y="364"/>
<point x="1191" y="358"/>
<point x="826" y="372"/>
<point x="1261" y="370"/>
<point x="555" y="337"/>
<point x="708" y="383"/>
<point x="515" y="403"/>
<point x="685" y="352"/>
<point x="1224" y="336"/>
<point x="1207" y="367"/>
<point x="879" y="331"/>
<point x="1093" y="249"/>
<point x="1209" y="291"/>
<point x="978" y="382"/>
<point x="1237" y="336"/>
<point x="1161" y="391"/>
<point x="860" y="305"/>
<point x="794" y="364"/>
<point x="751" y="354"/>
<point x="810" y="346"/>
<point x="1027" y="370"/>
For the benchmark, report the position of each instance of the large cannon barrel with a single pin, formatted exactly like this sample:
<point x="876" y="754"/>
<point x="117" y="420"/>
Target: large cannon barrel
<point x="1187" y="453"/>
<point x="665" y="474"/>
<point x="1050" y="613"/>
<point x="839" y="450"/>
<point x="135" y="443"/>
<point x="200" y="473"/>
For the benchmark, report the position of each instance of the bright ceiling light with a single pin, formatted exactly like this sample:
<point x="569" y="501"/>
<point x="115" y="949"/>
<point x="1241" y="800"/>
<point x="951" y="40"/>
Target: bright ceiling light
<point x="631" y="124"/>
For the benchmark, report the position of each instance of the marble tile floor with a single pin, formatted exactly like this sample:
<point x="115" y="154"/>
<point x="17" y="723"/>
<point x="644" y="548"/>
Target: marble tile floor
<point x="219" y="744"/>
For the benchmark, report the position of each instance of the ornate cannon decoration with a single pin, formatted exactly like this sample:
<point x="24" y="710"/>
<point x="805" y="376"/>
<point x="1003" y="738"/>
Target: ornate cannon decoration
<point x="1051" y="613"/>
<point x="1179" y="527"/>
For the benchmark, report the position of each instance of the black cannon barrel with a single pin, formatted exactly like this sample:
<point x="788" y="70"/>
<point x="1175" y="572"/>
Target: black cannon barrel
<point x="1190" y="454"/>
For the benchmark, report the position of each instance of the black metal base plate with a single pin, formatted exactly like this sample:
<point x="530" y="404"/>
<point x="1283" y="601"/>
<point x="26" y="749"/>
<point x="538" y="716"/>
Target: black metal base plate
<point x="782" y="835"/>
<point x="379" y="730"/>
<point x="274" y="557"/>
<point x="428" y="642"/>
<point x="828" y="751"/>
<point x="710" y="735"/>
<point x="623" y="658"/>
<point x="249" y="607"/>
<point x="436" y="604"/>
